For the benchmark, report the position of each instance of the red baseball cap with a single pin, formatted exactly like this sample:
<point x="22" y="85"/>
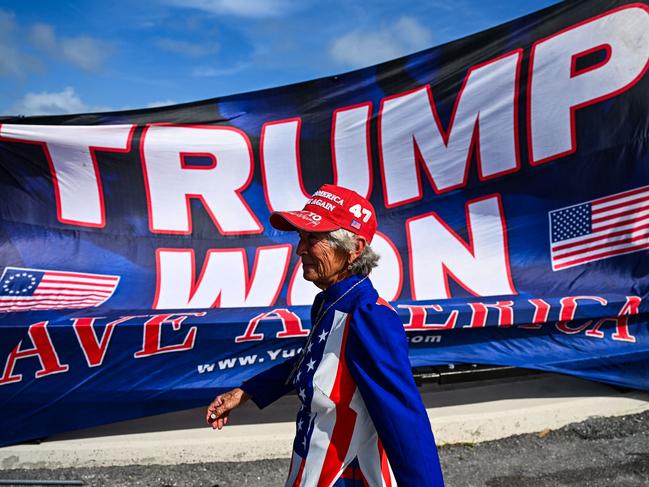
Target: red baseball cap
<point x="330" y="208"/>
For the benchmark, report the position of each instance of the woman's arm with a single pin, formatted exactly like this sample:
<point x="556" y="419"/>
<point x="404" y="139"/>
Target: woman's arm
<point x="268" y="386"/>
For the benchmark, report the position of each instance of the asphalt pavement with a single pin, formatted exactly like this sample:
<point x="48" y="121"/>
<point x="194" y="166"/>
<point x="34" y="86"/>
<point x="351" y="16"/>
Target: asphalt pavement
<point x="599" y="452"/>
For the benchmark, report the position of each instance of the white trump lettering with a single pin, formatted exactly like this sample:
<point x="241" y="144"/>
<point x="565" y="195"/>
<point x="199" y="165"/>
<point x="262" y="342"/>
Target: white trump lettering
<point x="171" y="183"/>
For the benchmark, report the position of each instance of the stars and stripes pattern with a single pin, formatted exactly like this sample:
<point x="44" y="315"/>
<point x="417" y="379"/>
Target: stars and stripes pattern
<point x="599" y="229"/>
<point x="23" y="289"/>
<point x="359" y="403"/>
<point x="333" y="427"/>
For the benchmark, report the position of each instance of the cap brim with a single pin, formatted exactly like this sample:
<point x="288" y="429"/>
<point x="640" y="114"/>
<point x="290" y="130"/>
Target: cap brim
<point x="300" y="220"/>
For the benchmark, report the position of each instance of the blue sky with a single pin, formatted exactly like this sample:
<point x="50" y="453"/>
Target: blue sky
<point x="85" y="55"/>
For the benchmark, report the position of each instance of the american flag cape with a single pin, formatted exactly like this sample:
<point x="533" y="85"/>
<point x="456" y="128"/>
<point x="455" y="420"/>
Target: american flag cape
<point x="360" y="408"/>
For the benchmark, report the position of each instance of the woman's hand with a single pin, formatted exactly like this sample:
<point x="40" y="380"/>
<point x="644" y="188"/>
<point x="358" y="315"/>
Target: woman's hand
<point x="219" y="409"/>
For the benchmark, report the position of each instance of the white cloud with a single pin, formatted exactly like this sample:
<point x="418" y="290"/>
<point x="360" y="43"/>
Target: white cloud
<point x="48" y="103"/>
<point x="42" y="36"/>
<point x="363" y="48"/>
<point x="68" y="101"/>
<point x="161" y="103"/>
<point x="192" y="49"/>
<point x="211" y="72"/>
<point x="13" y="62"/>
<point x="83" y="51"/>
<point x="239" y="8"/>
<point x="7" y="22"/>
<point x="357" y="49"/>
<point x="412" y="33"/>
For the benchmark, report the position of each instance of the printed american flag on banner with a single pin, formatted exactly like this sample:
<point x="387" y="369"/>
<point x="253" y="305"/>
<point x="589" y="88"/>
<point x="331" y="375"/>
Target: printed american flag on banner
<point x="599" y="229"/>
<point x="37" y="289"/>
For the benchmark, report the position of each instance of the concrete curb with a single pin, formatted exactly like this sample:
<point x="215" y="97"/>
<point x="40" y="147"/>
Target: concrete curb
<point x="459" y="414"/>
<point x="472" y="425"/>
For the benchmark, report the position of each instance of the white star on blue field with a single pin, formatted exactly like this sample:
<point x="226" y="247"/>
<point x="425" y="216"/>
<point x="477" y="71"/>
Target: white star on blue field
<point x="80" y="56"/>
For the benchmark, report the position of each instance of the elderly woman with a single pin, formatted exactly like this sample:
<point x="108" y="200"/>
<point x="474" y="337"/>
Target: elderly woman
<point x="361" y="416"/>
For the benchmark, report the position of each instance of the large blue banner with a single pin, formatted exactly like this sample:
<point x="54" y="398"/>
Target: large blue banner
<point x="509" y="171"/>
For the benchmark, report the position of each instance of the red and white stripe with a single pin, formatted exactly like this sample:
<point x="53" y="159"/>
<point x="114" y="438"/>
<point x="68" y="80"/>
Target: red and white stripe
<point x="620" y="225"/>
<point x="342" y="427"/>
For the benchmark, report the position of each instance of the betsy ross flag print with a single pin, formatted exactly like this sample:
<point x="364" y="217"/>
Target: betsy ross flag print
<point x="599" y="229"/>
<point x="37" y="289"/>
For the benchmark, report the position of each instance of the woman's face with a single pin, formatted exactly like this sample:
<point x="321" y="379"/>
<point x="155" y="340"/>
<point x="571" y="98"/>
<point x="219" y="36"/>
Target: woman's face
<point x="322" y="264"/>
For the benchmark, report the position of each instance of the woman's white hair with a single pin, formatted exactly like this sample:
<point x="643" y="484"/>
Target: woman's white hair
<point x="346" y="241"/>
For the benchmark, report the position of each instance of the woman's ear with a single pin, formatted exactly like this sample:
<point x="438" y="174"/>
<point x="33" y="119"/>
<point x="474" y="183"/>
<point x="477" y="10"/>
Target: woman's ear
<point x="361" y="243"/>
